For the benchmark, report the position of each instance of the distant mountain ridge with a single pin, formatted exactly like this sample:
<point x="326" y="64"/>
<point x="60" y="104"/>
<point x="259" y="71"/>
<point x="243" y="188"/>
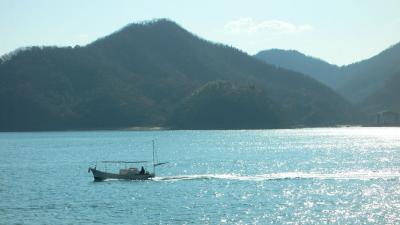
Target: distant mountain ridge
<point x="385" y="98"/>
<point x="296" y="61"/>
<point x="363" y="78"/>
<point x="142" y="75"/>
<point x="359" y="82"/>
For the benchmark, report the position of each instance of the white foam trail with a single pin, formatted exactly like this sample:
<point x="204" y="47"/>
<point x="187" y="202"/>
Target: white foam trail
<point x="352" y="175"/>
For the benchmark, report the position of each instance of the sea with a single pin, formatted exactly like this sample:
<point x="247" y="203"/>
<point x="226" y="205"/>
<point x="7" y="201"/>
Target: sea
<point x="348" y="175"/>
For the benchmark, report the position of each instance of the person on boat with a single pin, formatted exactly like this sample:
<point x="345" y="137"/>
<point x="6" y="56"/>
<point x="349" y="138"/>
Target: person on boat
<point x="142" y="170"/>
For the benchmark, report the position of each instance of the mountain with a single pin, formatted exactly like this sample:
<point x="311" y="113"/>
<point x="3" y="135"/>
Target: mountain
<point x="385" y="98"/>
<point x="211" y="107"/>
<point x="142" y="75"/>
<point x="296" y="61"/>
<point x="362" y="79"/>
<point x="370" y="84"/>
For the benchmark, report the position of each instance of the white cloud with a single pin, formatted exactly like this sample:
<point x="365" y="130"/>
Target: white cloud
<point x="250" y="26"/>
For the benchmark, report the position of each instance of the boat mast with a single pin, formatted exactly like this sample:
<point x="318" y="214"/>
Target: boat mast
<point x="154" y="163"/>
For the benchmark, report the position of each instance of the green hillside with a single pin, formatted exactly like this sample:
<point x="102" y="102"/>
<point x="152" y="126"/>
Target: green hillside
<point x="223" y="105"/>
<point x="140" y="76"/>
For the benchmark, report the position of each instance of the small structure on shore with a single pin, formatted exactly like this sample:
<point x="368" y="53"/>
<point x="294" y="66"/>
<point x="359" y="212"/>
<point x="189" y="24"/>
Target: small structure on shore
<point x="386" y="118"/>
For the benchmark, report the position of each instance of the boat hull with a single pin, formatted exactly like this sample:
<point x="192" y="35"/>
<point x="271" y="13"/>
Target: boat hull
<point x="101" y="176"/>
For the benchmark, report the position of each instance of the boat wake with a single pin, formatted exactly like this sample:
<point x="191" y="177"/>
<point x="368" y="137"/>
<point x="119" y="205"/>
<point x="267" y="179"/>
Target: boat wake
<point x="353" y="175"/>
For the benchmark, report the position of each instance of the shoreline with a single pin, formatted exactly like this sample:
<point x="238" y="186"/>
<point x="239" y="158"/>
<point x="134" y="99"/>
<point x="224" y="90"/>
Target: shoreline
<point x="156" y="128"/>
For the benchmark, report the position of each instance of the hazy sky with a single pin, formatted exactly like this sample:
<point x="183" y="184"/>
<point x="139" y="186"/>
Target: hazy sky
<point x="339" y="31"/>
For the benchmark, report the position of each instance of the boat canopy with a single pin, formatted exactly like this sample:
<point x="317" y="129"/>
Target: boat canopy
<point x="159" y="164"/>
<point x="124" y="161"/>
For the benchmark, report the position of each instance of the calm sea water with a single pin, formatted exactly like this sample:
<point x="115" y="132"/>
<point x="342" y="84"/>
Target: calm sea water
<point x="300" y="176"/>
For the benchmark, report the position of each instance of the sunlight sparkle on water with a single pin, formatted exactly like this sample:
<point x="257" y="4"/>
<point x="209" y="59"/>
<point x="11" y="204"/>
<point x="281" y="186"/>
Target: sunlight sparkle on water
<point x="300" y="176"/>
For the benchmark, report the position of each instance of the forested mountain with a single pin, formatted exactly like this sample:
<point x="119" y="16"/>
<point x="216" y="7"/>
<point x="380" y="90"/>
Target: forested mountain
<point x="385" y="98"/>
<point x="371" y="84"/>
<point x="364" y="78"/>
<point x="296" y="61"/>
<point x="144" y="74"/>
<point x="223" y="105"/>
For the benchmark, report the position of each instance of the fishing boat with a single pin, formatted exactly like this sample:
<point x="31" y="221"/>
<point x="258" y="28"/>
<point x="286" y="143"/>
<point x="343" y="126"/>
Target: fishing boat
<point x="127" y="173"/>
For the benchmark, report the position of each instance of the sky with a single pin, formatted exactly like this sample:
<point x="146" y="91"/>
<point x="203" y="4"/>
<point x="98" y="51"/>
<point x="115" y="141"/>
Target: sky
<point x="338" y="31"/>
